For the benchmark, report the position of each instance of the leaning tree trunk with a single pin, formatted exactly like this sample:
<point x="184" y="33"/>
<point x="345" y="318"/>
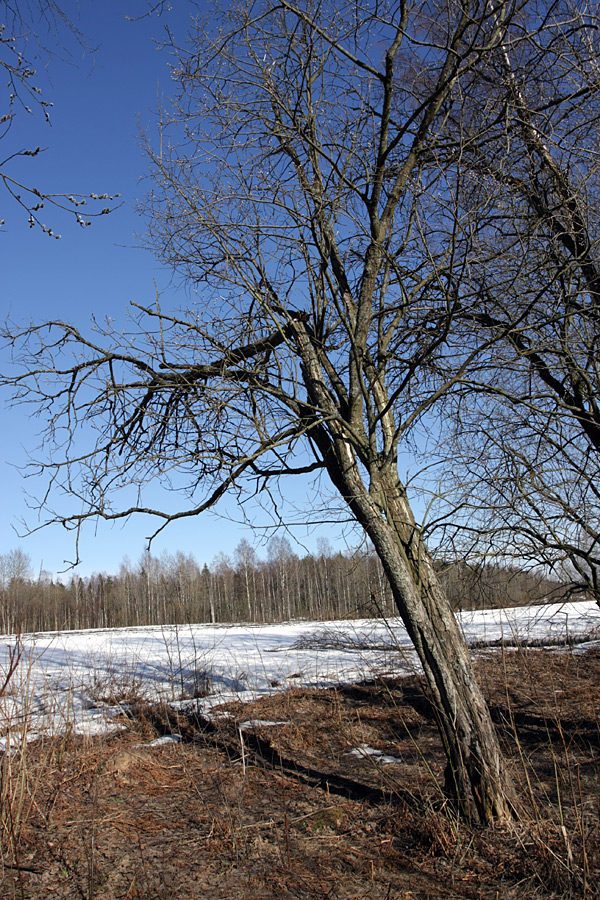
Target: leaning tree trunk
<point x="476" y="776"/>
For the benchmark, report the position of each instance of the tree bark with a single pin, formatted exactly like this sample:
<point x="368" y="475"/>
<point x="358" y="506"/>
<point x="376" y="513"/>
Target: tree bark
<point x="476" y="778"/>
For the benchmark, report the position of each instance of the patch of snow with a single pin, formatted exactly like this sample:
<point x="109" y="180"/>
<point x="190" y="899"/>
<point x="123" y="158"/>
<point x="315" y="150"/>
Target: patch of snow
<point x="366" y="752"/>
<point x="251" y="724"/>
<point x="161" y="741"/>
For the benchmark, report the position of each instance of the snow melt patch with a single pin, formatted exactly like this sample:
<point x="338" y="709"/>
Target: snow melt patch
<point x="161" y="741"/>
<point x="253" y="724"/>
<point x="366" y="752"/>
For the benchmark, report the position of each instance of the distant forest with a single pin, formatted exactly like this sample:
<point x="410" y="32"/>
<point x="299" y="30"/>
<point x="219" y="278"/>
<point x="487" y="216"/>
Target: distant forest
<point x="175" y="589"/>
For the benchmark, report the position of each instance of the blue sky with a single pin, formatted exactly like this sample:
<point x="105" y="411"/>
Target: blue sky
<point x="100" y="102"/>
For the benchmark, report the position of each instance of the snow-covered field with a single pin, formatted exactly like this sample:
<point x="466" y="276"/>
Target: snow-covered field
<point x="81" y="679"/>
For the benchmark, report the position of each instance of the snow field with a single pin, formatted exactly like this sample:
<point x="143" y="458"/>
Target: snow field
<point x="80" y="680"/>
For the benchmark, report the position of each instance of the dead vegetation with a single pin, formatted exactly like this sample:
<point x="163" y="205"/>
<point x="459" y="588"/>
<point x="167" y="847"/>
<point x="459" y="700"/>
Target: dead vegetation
<point x="269" y="800"/>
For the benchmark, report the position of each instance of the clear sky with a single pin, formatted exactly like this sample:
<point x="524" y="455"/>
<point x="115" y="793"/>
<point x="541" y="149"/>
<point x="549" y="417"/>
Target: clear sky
<point x="101" y="100"/>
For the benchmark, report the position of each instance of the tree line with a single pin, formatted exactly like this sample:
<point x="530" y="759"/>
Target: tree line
<point x="174" y="588"/>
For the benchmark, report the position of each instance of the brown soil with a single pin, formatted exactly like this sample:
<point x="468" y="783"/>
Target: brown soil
<point x="283" y="811"/>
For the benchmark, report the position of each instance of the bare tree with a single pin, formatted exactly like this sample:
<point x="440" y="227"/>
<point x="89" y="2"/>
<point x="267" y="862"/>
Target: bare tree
<point x="297" y="187"/>
<point x="527" y="429"/>
<point x="15" y="570"/>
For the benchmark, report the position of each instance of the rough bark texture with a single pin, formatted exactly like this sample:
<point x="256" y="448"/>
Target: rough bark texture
<point x="476" y="777"/>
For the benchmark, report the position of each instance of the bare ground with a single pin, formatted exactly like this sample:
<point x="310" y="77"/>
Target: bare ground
<point x="285" y="810"/>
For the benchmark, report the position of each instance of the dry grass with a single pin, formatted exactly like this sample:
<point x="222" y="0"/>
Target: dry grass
<point x="284" y="811"/>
